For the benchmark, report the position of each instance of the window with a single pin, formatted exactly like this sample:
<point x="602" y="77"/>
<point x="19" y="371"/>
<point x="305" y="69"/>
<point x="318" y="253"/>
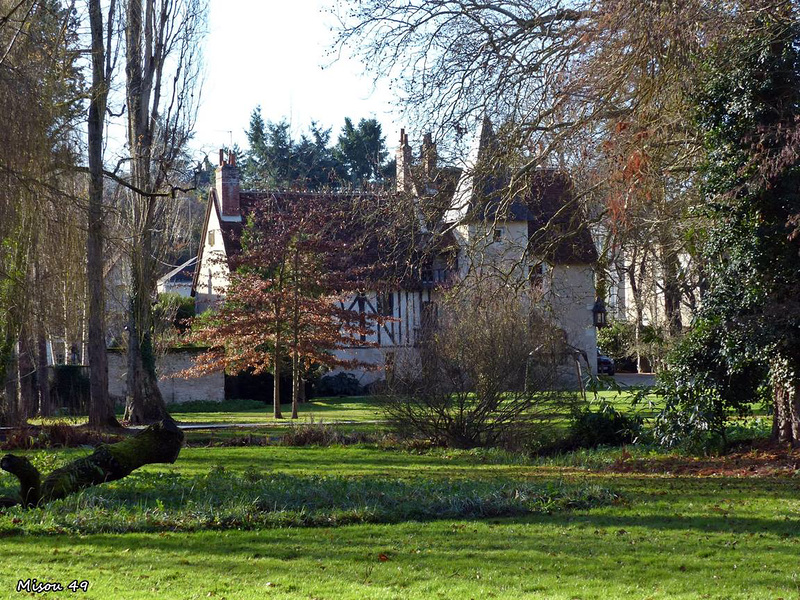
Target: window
<point x="385" y="302"/>
<point x="498" y="234"/>
<point x="536" y="276"/>
<point x="211" y="238"/>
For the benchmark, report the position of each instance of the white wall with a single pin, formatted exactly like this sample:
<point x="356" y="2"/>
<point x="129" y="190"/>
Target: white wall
<point x="214" y="274"/>
<point x="571" y="296"/>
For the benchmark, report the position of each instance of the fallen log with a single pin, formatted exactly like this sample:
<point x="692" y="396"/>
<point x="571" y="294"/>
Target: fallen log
<point x="159" y="443"/>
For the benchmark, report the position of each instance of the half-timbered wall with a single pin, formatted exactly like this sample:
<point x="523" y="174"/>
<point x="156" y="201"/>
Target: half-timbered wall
<point x="402" y="313"/>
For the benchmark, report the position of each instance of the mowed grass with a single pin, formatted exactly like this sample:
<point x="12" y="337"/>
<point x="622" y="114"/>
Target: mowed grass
<point x="670" y="537"/>
<point x="232" y="412"/>
<point x="357" y="409"/>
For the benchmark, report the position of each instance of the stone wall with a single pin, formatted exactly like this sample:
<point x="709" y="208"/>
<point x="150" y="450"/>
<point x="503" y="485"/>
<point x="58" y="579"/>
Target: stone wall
<point x="174" y="389"/>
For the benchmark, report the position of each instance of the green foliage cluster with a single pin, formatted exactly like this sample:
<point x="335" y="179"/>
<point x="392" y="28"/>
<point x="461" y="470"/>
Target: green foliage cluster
<point x="617" y="341"/>
<point x="606" y="426"/>
<point x="341" y="384"/>
<point x="711" y="376"/>
<point x="174" y="311"/>
<point x="221" y="499"/>
<point x="747" y="336"/>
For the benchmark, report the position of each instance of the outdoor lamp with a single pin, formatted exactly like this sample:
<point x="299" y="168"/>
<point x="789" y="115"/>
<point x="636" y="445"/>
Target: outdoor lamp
<point x="599" y="314"/>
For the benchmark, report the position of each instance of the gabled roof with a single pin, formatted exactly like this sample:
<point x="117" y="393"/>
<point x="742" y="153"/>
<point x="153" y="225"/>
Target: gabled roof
<point x="181" y="274"/>
<point x="370" y="252"/>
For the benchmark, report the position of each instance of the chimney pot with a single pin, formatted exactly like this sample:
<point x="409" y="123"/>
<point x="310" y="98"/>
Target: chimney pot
<point x="227" y="187"/>
<point x="403" y="164"/>
<point x="428" y="155"/>
<point x="221" y="157"/>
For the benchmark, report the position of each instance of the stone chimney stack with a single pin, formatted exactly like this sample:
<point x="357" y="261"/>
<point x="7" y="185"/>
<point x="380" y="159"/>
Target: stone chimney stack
<point x="227" y="186"/>
<point x="403" y="164"/>
<point x="428" y="155"/>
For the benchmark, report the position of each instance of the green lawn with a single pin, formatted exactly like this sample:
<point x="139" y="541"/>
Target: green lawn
<point x="360" y="408"/>
<point x="671" y="537"/>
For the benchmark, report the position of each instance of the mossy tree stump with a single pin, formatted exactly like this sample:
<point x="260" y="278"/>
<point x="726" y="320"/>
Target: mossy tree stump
<point x="159" y="443"/>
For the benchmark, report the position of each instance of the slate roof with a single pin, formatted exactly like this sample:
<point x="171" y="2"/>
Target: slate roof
<point x="183" y="273"/>
<point x="557" y="227"/>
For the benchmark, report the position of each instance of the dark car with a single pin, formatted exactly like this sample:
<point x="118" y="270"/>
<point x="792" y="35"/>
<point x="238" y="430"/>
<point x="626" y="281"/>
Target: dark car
<point x="605" y="365"/>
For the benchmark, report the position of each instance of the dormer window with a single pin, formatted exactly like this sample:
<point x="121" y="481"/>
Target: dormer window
<point x="498" y="234"/>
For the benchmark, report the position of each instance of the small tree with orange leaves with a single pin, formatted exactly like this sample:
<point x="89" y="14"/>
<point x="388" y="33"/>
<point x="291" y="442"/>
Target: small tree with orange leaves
<point x="286" y="297"/>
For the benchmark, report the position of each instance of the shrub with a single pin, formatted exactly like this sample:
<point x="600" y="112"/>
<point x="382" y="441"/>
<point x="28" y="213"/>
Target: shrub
<point x="711" y="375"/>
<point x="618" y="341"/>
<point x="482" y="378"/>
<point x="322" y="434"/>
<point x="604" y="427"/>
<point x="175" y="311"/>
<point x="341" y="384"/>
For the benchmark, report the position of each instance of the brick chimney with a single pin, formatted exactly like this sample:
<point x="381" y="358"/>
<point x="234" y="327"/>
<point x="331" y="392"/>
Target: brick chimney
<point x="403" y="164"/>
<point x="428" y="155"/>
<point x="227" y="186"/>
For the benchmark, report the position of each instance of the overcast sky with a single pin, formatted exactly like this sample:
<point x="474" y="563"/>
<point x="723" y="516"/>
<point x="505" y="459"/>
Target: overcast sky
<point x="272" y="53"/>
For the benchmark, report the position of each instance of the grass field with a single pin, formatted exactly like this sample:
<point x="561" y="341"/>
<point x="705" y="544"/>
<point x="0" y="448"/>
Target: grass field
<point x="369" y="521"/>
<point x="669" y="536"/>
<point x="363" y="409"/>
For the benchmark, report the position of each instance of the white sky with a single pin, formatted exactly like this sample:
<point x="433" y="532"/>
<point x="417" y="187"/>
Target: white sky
<point x="272" y="53"/>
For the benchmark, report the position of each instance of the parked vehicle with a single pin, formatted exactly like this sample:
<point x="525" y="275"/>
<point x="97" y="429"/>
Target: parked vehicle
<point x="605" y="365"/>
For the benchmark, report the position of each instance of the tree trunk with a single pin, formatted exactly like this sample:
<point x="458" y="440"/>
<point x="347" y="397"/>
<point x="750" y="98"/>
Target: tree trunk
<point x="786" y="416"/>
<point x="144" y="402"/>
<point x="786" y="399"/>
<point x="295" y="382"/>
<point x="42" y="377"/>
<point x="672" y="293"/>
<point x="8" y="370"/>
<point x="295" y="332"/>
<point x="159" y="443"/>
<point x="277" y="357"/>
<point x="276" y="385"/>
<point x="101" y="409"/>
<point x="27" y="385"/>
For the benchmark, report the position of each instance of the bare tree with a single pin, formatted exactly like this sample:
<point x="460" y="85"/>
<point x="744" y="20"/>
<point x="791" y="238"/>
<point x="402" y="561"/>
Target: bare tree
<point x="601" y="88"/>
<point x="39" y="94"/>
<point x="482" y="379"/>
<point x="162" y="74"/>
<point x="101" y="409"/>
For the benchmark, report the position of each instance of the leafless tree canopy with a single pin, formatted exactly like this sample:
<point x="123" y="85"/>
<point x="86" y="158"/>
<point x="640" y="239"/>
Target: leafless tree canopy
<point x="599" y="88"/>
